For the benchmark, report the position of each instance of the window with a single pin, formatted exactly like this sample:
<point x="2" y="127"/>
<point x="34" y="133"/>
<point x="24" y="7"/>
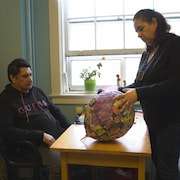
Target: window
<point x="112" y="65"/>
<point x="102" y="31"/>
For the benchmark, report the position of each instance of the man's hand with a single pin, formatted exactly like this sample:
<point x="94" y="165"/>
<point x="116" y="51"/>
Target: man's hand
<point x="48" y="139"/>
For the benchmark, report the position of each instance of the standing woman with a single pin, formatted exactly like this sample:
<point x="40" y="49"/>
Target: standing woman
<point x="157" y="87"/>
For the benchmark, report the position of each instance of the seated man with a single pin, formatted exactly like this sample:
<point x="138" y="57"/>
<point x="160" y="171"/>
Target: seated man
<point x="27" y="114"/>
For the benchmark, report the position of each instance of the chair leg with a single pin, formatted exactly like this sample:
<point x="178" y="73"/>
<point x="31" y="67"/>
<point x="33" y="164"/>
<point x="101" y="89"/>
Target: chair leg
<point x="44" y="173"/>
<point x="12" y="173"/>
<point x="36" y="173"/>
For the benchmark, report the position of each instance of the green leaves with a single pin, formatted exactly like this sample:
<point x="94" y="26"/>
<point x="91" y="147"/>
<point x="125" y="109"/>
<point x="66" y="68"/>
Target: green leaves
<point x="88" y="73"/>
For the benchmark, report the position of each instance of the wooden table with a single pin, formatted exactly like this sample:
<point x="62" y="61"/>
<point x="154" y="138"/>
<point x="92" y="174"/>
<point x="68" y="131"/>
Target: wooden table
<point x="129" y="151"/>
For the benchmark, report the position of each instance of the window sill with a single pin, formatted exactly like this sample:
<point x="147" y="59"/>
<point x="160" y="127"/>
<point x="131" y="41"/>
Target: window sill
<point x="73" y="97"/>
<point x="78" y="98"/>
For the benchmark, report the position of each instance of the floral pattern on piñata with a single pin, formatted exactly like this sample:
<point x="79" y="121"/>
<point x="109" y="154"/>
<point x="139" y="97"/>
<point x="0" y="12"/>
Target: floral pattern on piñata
<point x="103" y="120"/>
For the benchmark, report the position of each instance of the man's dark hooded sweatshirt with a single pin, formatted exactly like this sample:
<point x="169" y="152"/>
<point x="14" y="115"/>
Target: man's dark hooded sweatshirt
<point x="26" y="116"/>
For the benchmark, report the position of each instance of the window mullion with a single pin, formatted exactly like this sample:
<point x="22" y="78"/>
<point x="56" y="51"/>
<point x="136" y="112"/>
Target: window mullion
<point x="104" y="52"/>
<point x="95" y="26"/>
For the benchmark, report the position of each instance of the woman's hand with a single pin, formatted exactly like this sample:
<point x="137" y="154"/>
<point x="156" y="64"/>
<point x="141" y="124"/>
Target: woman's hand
<point x="127" y="99"/>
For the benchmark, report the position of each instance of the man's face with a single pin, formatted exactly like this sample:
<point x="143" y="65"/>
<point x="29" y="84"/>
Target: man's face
<point x="146" y="30"/>
<point x="23" y="80"/>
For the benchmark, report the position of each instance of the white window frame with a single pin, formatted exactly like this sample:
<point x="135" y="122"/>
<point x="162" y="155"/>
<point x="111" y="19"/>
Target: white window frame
<point x="57" y="54"/>
<point x="56" y="61"/>
<point x="56" y="57"/>
<point x="99" y="52"/>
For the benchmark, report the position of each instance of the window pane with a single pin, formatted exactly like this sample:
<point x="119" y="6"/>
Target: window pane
<point x="80" y="8"/>
<point x="131" y="67"/>
<point x="109" y="35"/>
<point x="167" y="6"/>
<point x="77" y="64"/>
<point x="131" y="37"/>
<point x="132" y="6"/>
<point x="76" y="68"/>
<point x="175" y="24"/>
<point x="81" y="36"/>
<point x="109" y="70"/>
<point x="125" y="66"/>
<point x="109" y="7"/>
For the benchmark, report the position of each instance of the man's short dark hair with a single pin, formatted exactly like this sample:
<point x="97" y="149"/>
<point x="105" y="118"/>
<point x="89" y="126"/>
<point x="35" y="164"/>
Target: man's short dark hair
<point x="15" y="65"/>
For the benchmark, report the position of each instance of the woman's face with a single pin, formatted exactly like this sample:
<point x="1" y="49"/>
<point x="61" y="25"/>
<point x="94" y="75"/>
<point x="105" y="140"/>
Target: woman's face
<point x="146" y="30"/>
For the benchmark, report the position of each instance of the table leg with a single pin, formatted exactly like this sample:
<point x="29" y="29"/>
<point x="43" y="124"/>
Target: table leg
<point x="141" y="169"/>
<point x="64" y="167"/>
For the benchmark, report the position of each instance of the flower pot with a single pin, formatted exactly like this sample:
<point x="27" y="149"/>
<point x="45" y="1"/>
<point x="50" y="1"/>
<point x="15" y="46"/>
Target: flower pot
<point x="90" y="85"/>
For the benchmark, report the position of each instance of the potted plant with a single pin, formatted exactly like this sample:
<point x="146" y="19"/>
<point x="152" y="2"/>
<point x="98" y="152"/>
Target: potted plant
<point x="89" y="77"/>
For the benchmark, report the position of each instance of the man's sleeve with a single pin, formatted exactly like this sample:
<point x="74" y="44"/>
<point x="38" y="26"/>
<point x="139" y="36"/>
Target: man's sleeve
<point x="56" y="112"/>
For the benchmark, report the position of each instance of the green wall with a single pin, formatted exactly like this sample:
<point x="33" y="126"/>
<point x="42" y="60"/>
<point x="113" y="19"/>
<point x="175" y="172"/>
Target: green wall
<point x="10" y="36"/>
<point x="35" y="40"/>
<point x="17" y="40"/>
<point x="40" y="22"/>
